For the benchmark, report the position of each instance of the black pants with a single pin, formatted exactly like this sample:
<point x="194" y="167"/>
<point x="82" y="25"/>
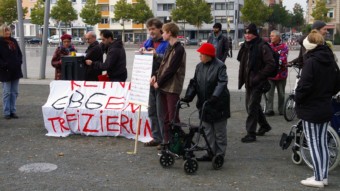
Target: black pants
<point x="255" y="113"/>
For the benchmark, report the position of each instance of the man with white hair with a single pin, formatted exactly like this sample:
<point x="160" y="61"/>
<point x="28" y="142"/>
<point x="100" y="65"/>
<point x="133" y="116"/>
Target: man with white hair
<point x="94" y="53"/>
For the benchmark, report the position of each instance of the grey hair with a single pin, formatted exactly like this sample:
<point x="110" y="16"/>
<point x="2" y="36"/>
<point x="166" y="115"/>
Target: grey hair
<point x="92" y="33"/>
<point x="2" y="29"/>
<point x="277" y="33"/>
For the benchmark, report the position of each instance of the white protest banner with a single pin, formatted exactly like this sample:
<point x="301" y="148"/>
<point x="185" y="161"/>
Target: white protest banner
<point x="93" y="108"/>
<point x="140" y="80"/>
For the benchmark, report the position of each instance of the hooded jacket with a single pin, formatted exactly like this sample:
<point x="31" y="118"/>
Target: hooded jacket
<point x="115" y="62"/>
<point x="10" y="61"/>
<point x="222" y="46"/>
<point x="315" y="87"/>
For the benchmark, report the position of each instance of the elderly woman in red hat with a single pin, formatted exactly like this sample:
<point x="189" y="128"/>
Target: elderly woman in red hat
<point x="65" y="49"/>
<point x="210" y="85"/>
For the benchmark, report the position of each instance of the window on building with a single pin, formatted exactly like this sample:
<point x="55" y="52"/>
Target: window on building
<point x="105" y="21"/>
<point x="32" y="30"/>
<point x="164" y="7"/>
<point x="231" y="19"/>
<point x="230" y="6"/>
<point x="219" y="6"/>
<point x="104" y="8"/>
<point x="220" y="19"/>
<point x="330" y="13"/>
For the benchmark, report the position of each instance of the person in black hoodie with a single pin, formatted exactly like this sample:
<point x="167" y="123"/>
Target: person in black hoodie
<point x="115" y="62"/>
<point x="313" y="103"/>
<point x="94" y="53"/>
<point x="10" y="71"/>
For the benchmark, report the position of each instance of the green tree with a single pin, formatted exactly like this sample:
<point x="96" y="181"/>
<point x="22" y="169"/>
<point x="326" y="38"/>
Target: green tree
<point x="320" y="11"/>
<point x="279" y="16"/>
<point x="255" y="11"/>
<point x="182" y="11"/>
<point x="8" y="11"/>
<point x="141" y="12"/>
<point x="122" y="10"/>
<point x="64" y="12"/>
<point x="297" y="20"/>
<point x="91" y="13"/>
<point x="200" y="13"/>
<point x="37" y="13"/>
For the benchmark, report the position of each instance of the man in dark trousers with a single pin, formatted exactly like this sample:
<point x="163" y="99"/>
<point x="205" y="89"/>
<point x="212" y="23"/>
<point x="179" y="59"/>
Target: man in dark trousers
<point x="94" y="53"/>
<point x="219" y="41"/>
<point x="157" y="45"/>
<point x="256" y="65"/>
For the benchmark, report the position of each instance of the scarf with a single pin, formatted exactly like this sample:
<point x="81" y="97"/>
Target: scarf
<point x="308" y="45"/>
<point x="11" y="44"/>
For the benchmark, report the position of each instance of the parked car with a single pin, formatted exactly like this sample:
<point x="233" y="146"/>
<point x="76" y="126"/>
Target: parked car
<point x="34" y="41"/>
<point x="77" y="40"/>
<point x="192" y="42"/>
<point x="54" y="39"/>
<point x="203" y="41"/>
<point x="182" y="40"/>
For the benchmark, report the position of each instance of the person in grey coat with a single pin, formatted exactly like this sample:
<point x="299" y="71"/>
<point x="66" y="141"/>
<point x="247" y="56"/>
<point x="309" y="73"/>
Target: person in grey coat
<point x="220" y="42"/>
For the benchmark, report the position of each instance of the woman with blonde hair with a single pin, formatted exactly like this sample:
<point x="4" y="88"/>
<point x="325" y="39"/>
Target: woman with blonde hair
<point x="10" y="71"/>
<point x="313" y="103"/>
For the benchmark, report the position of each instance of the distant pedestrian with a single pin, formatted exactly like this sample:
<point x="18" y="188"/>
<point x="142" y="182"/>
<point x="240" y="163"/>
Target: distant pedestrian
<point x="219" y="41"/>
<point x="64" y="50"/>
<point x="93" y="53"/>
<point x="230" y="46"/>
<point x="169" y="78"/>
<point x="115" y="63"/>
<point x="256" y="65"/>
<point x="313" y="104"/>
<point x="10" y="71"/>
<point x="210" y="84"/>
<point x="279" y="81"/>
<point x="158" y="46"/>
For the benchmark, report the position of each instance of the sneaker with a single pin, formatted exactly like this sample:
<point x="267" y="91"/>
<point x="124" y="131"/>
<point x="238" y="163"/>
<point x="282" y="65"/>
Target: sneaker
<point x="263" y="130"/>
<point x="248" y="139"/>
<point x="205" y="158"/>
<point x="7" y="117"/>
<point x="312" y="183"/>
<point x="13" y="115"/>
<point x="269" y="113"/>
<point x="325" y="180"/>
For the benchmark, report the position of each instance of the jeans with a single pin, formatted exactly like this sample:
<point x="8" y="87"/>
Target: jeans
<point x="155" y="112"/>
<point x="169" y="101"/>
<point x="9" y="96"/>
<point x="280" y="85"/>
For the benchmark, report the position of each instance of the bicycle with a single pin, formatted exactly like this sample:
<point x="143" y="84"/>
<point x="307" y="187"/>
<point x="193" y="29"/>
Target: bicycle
<point x="301" y="151"/>
<point x="289" y="106"/>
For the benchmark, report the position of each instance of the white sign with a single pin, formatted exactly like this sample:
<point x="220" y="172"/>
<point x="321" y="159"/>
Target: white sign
<point x="93" y="108"/>
<point x="140" y="80"/>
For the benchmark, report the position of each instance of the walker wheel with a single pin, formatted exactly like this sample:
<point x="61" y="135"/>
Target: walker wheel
<point x="190" y="166"/>
<point x="296" y="158"/>
<point x="217" y="162"/>
<point x="167" y="160"/>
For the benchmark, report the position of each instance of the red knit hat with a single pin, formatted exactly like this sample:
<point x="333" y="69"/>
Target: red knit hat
<point x="207" y="49"/>
<point x="66" y="36"/>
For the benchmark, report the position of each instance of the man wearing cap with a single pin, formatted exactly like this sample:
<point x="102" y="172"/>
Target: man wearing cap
<point x="210" y="84"/>
<point x="219" y="41"/>
<point x="256" y="65"/>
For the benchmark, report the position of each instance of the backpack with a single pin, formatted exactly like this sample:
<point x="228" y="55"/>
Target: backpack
<point x="276" y="57"/>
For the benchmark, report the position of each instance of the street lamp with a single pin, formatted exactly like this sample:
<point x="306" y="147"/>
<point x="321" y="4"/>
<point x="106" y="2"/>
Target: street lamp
<point x="121" y="22"/>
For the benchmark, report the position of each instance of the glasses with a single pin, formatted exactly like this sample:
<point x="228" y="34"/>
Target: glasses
<point x="87" y="39"/>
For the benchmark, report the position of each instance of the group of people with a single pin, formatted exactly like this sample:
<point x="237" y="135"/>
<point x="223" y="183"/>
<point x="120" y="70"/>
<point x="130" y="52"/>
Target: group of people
<point x="209" y="83"/>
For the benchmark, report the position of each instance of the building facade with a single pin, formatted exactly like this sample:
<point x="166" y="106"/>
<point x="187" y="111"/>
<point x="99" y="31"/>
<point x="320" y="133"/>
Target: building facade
<point x="333" y="25"/>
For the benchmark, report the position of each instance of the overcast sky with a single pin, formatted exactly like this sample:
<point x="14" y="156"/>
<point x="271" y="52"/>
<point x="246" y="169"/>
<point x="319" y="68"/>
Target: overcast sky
<point x="290" y="4"/>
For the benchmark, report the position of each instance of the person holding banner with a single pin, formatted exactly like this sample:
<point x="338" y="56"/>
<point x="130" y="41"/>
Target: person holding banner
<point x="169" y="78"/>
<point x="115" y="63"/>
<point x="10" y="71"/>
<point x="210" y="85"/>
<point x="157" y="45"/>
<point x="65" y="49"/>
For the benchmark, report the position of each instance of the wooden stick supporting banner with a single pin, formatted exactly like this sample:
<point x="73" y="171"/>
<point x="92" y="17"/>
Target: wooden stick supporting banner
<point x="137" y="131"/>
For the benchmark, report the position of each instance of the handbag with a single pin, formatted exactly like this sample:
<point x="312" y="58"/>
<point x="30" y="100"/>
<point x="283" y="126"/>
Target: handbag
<point x="103" y="78"/>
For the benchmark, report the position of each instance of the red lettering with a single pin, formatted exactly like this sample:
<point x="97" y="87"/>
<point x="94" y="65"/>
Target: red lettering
<point x="112" y="123"/>
<point x="88" y="84"/>
<point x="61" y="123"/>
<point x="115" y="103"/>
<point x="52" y="122"/>
<point x="101" y="120"/>
<point x="73" y="84"/>
<point x="131" y="126"/>
<point x="133" y="110"/>
<point x="86" y="128"/>
<point x="124" y="119"/>
<point x="147" y="129"/>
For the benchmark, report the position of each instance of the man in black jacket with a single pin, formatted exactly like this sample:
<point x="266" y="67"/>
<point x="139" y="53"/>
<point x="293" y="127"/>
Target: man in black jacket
<point x="115" y="62"/>
<point x="210" y="84"/>
<point x="219" y="41"/>
<point x="93" y="53"/>
<point x="256" y="65"/>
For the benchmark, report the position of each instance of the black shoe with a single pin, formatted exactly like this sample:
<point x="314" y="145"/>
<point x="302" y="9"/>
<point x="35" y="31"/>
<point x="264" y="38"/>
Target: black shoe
<point x="7" y="117"/>
<point x="269" y="113"/>
<point x="263" y="130"/>
<point x="204" y="158"/>
<point x="13" y="115"/>
<point x="248" y="139"/>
